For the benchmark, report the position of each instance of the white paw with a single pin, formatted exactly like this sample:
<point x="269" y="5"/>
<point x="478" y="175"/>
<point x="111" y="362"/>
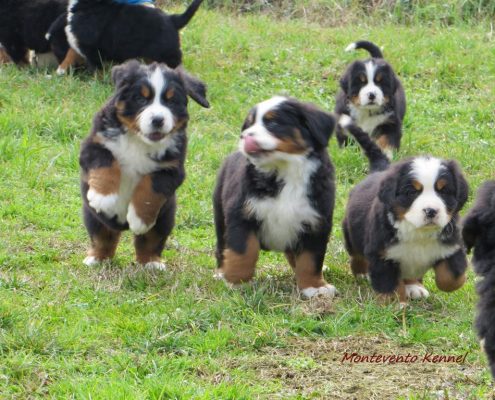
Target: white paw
<point x="327" y="291"/>
<point x="364" y="277"/>
<point x="156" y="266"/>
<point x="345" y="121"/>
<point x="102" y="203"/>
<point x="389" y="153"/>
<point x="60" y="71"/>
<point x="218" y="275"/>
<point x="415" y="291"/>
<point x="91" y="261"/>
<point x="136" y="224"/>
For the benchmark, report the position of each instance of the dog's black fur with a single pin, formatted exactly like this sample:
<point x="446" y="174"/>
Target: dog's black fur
<point x="102" y="30"/>
<point x="24" y="24"/>
<point x="303" y="130"/>
<point x="376" y="204"/>
<point x="157" y="173"/>
<point x="388" y="131"/>
<point x="479" y="234"/>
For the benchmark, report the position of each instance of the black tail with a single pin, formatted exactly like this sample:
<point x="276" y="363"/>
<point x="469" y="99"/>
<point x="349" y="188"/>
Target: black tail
<point x="181" y="20"/>
<point x="377" y="159"/>
<point x="371" y="48"/>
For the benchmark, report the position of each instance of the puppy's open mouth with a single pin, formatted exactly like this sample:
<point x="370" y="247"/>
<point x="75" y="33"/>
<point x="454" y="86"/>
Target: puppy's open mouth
<point x="156" y="136"/>
<point x="252" y="148"/>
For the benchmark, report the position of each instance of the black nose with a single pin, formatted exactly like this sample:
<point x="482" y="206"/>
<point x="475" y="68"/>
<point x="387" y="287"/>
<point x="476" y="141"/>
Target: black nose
<point x="430" y="212"/>
<point x="157" y="122"/>
<point x="371" y="96"/>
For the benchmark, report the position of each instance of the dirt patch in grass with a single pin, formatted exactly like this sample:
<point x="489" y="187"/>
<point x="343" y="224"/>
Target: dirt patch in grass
<point x="315" y="369"/>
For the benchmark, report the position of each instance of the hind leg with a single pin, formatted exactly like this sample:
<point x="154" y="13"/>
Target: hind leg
<point x="104" y="240"/>
<point x="149" y="246"/>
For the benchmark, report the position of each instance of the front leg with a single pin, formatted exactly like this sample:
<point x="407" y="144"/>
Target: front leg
<point x="102" y="174"/>
<point x="450" y="273"/>
<point x="384" y="274"/>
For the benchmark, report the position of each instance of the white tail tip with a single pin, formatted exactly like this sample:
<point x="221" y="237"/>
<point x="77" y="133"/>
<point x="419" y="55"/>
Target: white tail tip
<point x="351" y="47"/>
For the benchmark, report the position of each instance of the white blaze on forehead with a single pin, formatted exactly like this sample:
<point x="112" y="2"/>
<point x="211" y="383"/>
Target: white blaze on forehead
<point x="426" y="170"/>
<point x="266" y="106"/>
<point x="370" y="71"/>
<point x="157" y="81"/>
<point x="370" y="86"/>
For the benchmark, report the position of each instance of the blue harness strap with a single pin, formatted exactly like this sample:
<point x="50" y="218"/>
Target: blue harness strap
<point x="134" y="1"/>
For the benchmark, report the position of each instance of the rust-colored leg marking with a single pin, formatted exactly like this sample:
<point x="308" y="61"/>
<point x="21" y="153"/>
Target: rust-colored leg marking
<point x="237" y="268"/>
<point x="104" y="243"/>
<point x="4" y="57"/>
<point x="146" y="202"/>
<point x="72" y="58"/>
<point x="359" y="265"/>
<point x="148" y="247"/>
<point x="105" y="181"/>
<point x="401" y="292"/>
<point x="445" y="280"/>
<point x="306" y="272"/>
<point x="291" y="259"/>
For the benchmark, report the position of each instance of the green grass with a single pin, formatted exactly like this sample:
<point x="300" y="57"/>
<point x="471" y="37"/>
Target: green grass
<point x="69" y="331"/>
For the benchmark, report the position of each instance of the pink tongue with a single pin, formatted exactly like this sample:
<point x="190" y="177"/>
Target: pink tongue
<point x="250" y="145"/>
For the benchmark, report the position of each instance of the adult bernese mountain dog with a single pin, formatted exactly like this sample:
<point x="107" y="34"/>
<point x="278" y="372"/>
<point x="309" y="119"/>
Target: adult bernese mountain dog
<point x="104" y="30"/>
<point x="402" y="220"/>
<point x="133" y="160"/>
<point x="23" y="25"/>
<point x="479" y="234"/>
<point x="277" y="193"/>
<point x="373" y="96"/>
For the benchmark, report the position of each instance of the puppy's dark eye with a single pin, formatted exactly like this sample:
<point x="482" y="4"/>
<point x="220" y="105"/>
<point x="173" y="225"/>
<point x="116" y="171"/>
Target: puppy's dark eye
<point x="413" y="188"/>
<point x="139" y="99"/>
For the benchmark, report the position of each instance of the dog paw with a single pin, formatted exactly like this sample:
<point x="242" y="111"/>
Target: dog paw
<point x="155" y="266"/>
<point x="363" y="277"/>
<point x="344" y="122"/>
<point x="102" y="203"/>
<point x="218" y="275"/>
<point x="416" y="291"/>
<point x="61" y="71"/>
<point x="327" y="291"/>
<point x="136" y="224"/>
<point x="91" y="261"/>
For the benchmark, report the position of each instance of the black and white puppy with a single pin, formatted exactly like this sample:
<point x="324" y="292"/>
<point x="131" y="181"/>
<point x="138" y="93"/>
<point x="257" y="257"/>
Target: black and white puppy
<point x="373" y="96"/>
<point x="104" y="30"/>
<point x="479" y="234"/>
<point x="277" y="193"/>
<point x="23" y="25"/>
<point x="402" y="220"/>
<point x="133" y="160"/>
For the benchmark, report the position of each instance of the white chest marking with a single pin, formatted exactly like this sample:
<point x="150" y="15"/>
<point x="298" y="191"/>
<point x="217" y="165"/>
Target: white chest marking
<point x="366" y="119"/>
<point x="136" y="160"/>
<point x="417" y="250"/>
<point x="282" y="217"/>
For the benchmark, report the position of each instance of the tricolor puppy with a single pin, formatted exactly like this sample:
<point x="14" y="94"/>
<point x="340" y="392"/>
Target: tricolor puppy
<point x="277" y="193"/>
<point x="133" y="160"/>
<point x="373" y="96"/>
<point x="23" y="25"/>
<point x="479" y="234"/>
<point x="104" y="30"/>
<point x="402" y="220"/>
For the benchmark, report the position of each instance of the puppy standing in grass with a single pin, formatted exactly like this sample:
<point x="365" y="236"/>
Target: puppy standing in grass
<point x="277" y="193"/>
<point x="133" y="160"/>
<point x="402" y="220"/>
<point x="373" y="96"/>
<point x="479" y="234"/>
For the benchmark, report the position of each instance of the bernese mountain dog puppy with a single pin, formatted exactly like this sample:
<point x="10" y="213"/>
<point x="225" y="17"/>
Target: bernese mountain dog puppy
<point x="479" y="234"/>
<point x="23" y="25"/>
<point x="373" y="96"/>
<point x="104" y="30"/>
<point x="402" y="220"/>
<point x="277" y="193"/>
<point x="133" y="160"/>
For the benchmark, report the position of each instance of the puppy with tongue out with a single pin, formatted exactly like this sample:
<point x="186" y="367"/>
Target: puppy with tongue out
<point x="277" y="193"/>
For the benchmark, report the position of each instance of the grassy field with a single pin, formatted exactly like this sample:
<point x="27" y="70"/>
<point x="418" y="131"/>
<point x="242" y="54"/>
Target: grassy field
<point x="116" y="331"/>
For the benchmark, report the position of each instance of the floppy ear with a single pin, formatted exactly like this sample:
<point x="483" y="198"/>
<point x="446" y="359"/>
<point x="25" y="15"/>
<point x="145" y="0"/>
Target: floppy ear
<point x="388" y="188"/>
<point x="344" y="82"/>
<point x="121" y="73"/>
<point x="195" y="88"/>
<point x="461" y="183"/>
<point x="319" y="123"/>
